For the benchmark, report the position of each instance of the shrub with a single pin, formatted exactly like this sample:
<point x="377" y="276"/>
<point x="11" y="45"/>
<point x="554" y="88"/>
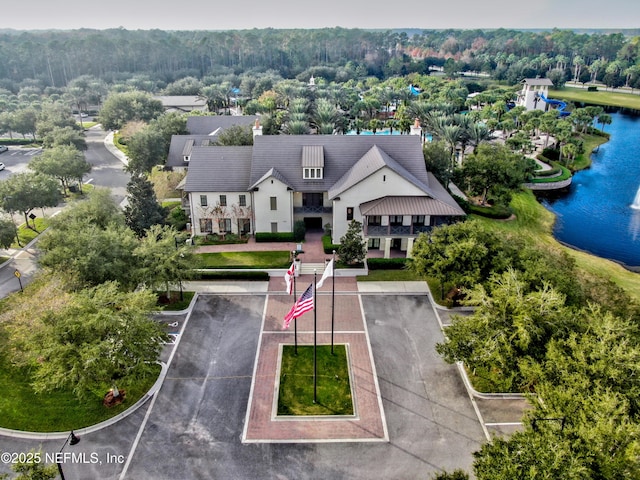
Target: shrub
<point x="299" y="231"/>
<point x="328" y="246"/>
<point x="274" y="237"/>
<point x="566" y="173"/>
<point x="592" y="88"/>
<point x="234" y="275"/>
<point x="177" y="218"/>
<point x="387" y="263"/>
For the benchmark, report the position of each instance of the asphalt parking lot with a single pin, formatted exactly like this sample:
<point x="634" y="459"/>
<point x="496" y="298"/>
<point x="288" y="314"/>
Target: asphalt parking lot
<point x="193" y="427"/>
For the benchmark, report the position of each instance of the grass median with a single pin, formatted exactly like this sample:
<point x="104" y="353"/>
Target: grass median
<point x="333" y="388"/>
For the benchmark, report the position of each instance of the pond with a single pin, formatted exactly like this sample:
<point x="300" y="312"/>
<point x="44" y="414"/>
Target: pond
<point x="597" y="213"/>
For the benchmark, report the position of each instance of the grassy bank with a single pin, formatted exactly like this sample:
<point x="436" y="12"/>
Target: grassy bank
<point x="535" y="222"/>
<point x="614" y="99"/>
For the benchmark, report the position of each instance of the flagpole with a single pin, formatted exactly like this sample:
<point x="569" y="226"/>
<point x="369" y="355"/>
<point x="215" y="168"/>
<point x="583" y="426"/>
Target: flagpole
<point x="315" y="330"/>
<point x="333" y="295"/>
<point x="295" y="319"/>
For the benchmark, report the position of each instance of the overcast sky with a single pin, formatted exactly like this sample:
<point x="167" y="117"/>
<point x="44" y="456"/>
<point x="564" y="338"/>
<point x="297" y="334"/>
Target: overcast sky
<point x="243" y="14"/>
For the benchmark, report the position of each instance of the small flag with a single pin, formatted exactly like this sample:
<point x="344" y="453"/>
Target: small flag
<point x="328" y="272"/>
<point x="303" y="305"/>
<point x="288" y="277"/>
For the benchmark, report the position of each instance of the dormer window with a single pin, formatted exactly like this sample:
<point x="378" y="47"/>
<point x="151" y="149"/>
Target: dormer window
<point x="312" y="173"/>
<point x="312" y="162"/>
<point x="188" y="147"/>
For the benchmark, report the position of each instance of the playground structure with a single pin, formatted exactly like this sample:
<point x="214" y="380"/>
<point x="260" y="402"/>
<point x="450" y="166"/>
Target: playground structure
<point x="558" y="105"/>
<point x="534" y="96"/>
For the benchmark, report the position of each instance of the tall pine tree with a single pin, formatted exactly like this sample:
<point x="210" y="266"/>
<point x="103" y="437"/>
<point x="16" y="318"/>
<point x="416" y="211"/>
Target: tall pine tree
<point x="143" y="209"/>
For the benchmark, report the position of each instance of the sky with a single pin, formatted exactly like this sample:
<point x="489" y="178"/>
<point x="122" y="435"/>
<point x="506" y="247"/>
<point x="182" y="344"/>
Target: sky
<point x="384" y="14"/>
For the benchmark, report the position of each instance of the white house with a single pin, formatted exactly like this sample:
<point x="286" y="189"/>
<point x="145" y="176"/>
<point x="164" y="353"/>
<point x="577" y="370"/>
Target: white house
<point x="380" y="181"/>
<point x="534" y="93"/>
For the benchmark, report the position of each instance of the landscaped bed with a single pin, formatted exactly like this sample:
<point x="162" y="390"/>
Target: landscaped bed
<point x="333" y="388"/>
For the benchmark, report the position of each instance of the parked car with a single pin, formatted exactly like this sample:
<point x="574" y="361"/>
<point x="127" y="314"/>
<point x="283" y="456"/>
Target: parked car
<point x="1" y="166"/>
<point x="3" y="148"/>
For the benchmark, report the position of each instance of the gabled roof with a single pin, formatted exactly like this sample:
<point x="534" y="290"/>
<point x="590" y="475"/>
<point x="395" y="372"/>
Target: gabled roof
<point x="399" y="205"/>
<point x="372" y="161"/>
<point x="271" y="173"/>
<point x="341" y="152"/>
<point x="537" y="81"/>
<point x="208" y="124"/>
<point x="219" y="169"/>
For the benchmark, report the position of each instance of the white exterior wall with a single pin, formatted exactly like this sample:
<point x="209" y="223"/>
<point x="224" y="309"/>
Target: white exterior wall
<point x="528" y="95"/>
<point x="263" y="214"/>
<point x="382" y="183"/>
<point x="233" y="210"/>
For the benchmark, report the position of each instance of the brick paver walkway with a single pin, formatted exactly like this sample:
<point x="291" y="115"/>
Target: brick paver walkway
<point x="368" y="424"/>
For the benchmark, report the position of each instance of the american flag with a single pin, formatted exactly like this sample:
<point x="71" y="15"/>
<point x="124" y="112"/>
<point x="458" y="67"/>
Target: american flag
<point x="303" y="305"/>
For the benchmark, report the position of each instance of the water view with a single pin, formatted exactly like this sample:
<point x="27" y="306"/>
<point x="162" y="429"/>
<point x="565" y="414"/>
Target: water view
<point x="601" y="211"/>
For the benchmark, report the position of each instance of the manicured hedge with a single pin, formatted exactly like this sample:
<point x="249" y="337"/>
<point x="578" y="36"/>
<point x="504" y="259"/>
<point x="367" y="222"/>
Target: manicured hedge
<point x="496" y="212"/>
<point x="274" y="237"/>
<point x="387" y="263"/>
<point x="566" y="173"/>
<point x="328" y="246"/>
<point x="253" y="276"/>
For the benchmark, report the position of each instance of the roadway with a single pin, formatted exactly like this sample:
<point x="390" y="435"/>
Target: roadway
<point x="107" y="171"/>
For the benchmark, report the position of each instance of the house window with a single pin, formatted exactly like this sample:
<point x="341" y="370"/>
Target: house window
<point x="349" y="213"/>
<point x="206" y="225"/>
<point x="418" y="220"/>
<point x="242" y="200"/>
<point x="223" y="200"/>
<point x="224" y="225"/>
<point x="274" y="203"/>
<point x="274" y="227"/>
<point x="312" y="200"/>
<point x="374" y="220"/>
<point x="373" y="244"/>
<point x="395" y="220"/>
<point x="203" y="200"/>
<point x="244" y="226"/>
<point x="312" y="173"/>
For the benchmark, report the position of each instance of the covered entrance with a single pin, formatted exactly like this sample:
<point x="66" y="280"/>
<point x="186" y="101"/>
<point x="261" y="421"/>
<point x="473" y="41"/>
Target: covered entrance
<point x="313" y="223"/>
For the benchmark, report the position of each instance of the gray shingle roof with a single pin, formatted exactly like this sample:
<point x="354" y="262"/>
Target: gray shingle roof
<point x="271" y="173"/>
<point x="207" y="124"/>
<point x="341" y="152"/>
<point x="179" y="147"/>
<point x="372" y="161"/>
<point x="219" y="169"/>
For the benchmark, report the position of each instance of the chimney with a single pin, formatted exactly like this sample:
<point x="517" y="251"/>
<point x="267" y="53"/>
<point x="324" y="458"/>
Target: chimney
<point x="416" y="129"/>
<point x="257" y="128"/>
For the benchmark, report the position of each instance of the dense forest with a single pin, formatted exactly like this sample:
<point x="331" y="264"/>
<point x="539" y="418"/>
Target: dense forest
<point x="54" y="58"/>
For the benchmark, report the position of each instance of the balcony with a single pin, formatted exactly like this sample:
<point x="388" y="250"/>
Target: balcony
<point x="395" y="230"/>
<point x="312" y="209"/>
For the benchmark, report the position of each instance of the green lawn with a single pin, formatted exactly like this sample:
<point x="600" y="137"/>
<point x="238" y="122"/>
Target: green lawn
<point x="26" y="234"/>
<point x="23" y="409"/>
<point x="597" y="98"/>
<point x="268" y="259"/>
<point x="174" y="303"/>
<point x="333" y="391"/>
